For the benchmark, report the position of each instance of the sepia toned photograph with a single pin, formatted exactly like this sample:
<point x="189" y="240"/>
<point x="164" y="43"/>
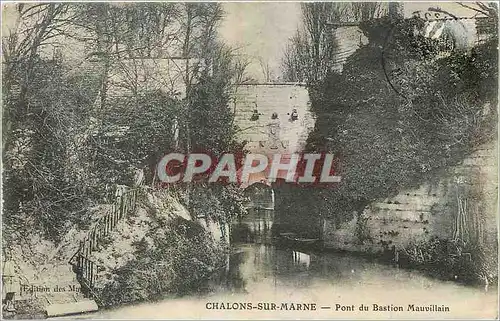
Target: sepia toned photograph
<point x="249" y="160"/>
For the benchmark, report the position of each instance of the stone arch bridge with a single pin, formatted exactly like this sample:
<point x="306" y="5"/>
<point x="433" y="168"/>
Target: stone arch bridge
<point x="273" y="118"/>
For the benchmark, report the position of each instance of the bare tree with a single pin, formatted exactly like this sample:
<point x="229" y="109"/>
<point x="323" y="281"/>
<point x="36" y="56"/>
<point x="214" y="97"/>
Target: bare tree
<point x="311" y="52"/>
<point x="35" y="27"/>
<point x="488" y="10"/>
<point x="266" y="70"/>
<point x="364" y="11"/>
<point x="241" y="63"/>
<point x="313" y="47"/>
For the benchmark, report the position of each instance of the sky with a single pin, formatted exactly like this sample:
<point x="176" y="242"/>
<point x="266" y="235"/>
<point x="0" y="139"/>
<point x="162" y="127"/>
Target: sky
<point x="261" y="31"/>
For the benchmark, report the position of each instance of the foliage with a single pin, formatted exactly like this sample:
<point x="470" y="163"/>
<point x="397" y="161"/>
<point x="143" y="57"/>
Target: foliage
<point x="216" y="202"/>
<point x="45" y="180"/>
<point x="68" y="138"/>
<point x="209" y="115"/>
<point x="450" y="260"/>
<point x="135" y="133"/>
<point x="387" y="142"/>
<point x="180" y="260"/>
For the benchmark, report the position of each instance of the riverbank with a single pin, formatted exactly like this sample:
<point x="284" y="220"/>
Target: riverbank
<point x="265" y="274"/>
<point x="457" y="270"/>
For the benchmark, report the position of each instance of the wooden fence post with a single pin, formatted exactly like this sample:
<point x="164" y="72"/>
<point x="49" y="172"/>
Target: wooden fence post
<point x="135" y="200"/>
<point x="91" y="279"/>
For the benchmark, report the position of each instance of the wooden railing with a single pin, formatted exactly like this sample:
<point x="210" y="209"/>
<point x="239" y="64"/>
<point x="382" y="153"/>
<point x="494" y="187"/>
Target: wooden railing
<point x="125" y="203"/>
<point x="86" y="274"/>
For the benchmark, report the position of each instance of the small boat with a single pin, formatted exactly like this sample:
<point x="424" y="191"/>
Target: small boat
<point x="291" y="240"/>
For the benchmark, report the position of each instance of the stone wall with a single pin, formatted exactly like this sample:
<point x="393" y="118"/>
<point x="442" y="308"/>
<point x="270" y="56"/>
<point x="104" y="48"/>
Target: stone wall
<point x="430" y="210"/>
<point x="266" y="99"/>
<point x="349" y="39"/>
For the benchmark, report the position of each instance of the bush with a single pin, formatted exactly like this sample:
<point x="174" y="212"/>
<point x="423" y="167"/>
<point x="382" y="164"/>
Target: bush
<point x="180" y="261"/>
<point x="389" y="140"/>
<point x="450" y="260"/>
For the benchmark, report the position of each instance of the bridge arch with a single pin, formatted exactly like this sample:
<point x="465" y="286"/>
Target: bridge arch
<point x="256" y="226"/>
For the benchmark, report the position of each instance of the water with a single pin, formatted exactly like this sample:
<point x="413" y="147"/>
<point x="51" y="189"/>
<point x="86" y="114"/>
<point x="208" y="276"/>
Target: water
<point x="337" y="284"/>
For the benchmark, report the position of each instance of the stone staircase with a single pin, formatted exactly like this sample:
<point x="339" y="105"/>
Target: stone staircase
<point x="55" y="284"/>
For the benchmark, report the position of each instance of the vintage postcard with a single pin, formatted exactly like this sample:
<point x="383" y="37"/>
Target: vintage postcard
<point x="250" y="160"/>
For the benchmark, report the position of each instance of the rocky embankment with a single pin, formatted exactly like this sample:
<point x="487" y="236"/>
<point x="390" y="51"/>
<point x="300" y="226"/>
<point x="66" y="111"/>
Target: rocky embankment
<point x="159" y="250"/>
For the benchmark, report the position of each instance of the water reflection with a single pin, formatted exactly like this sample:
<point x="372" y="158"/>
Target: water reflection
<point x="252" y="264"/>
<point x="265" y="273"/>
<point x="255" y="227"/>
<point x="262" y="265"/>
